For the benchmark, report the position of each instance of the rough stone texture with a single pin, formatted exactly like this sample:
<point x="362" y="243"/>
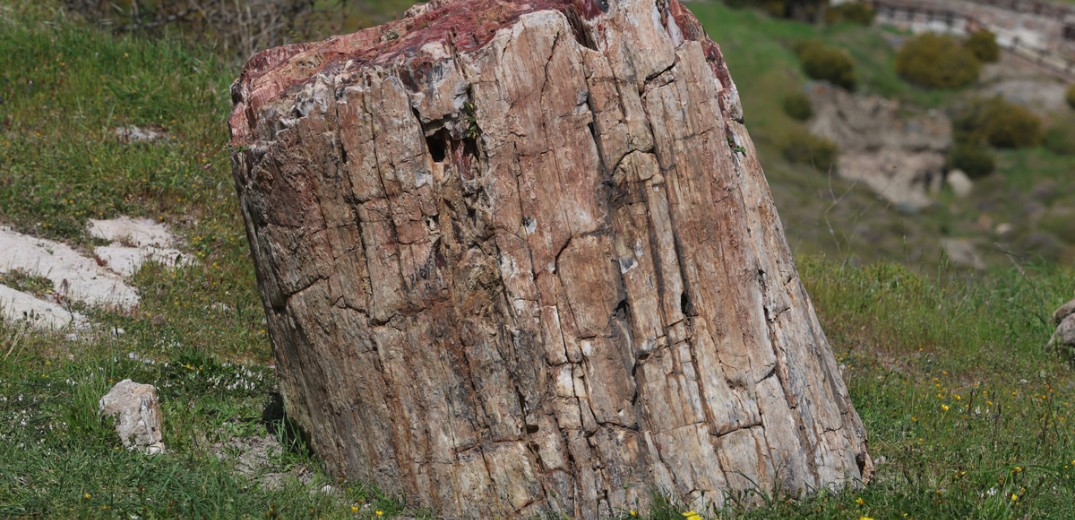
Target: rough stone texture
<point x="898" y="156"/>
<point x="137" y="414"/>
<point x="1063" y="339"/>
<point x="521" y="257"/>
<point x="1063" y="312"/>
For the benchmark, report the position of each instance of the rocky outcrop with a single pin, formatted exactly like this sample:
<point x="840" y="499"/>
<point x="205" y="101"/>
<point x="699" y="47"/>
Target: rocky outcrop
<point x="73" y="276"/>
<point x="898" y="157"/>
<point x="521" y="258"/>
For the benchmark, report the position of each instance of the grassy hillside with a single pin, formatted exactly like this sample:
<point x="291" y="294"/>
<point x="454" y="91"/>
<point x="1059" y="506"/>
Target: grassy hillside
<point x="966" y="412"/>
<point x="1032" y="189"/>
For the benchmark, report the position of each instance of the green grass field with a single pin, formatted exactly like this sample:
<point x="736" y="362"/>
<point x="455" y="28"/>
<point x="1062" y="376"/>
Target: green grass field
<point x="967" y="414"/>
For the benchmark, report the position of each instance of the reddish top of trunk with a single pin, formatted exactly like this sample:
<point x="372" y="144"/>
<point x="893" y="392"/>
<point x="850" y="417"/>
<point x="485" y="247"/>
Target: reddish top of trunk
<point x="463" y="25"/>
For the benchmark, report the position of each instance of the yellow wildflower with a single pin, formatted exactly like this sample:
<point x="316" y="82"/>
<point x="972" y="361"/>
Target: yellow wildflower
<point x="378" y="512"/>
<point x="354" y="509"/>
<point x="860" y="501"/>
<point x="87" y="496"/>
<point x="1015" y="498"/>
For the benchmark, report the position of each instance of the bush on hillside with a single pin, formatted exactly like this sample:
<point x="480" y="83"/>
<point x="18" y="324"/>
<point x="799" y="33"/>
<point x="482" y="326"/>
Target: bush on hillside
<point x="852" y="12"/>
<point x="999" y="123"/>
<point x="798" y="106"/>
<point x="1060" y="140"/>
<point x="933" y="60"/>
<point x="827" y="63"/>
<point x="975" y="160"/>
<point x="1069" y="96"/>
<point x="983" y="44"/>
<point x="802" y="147"/>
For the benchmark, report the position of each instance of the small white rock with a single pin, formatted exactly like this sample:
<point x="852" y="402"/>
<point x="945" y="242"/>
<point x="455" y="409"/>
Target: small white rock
<point x="138" y="134"/>
<point x="137" y="413"/>
<point x="960" y="183"/>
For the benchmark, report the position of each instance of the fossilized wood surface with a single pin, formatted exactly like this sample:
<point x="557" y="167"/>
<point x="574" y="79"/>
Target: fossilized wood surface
<point x="521" y="257"/>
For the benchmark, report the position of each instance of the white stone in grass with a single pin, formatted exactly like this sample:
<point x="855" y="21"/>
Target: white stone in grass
<point x="126" y="261"/>
<point x="134" y="232"/>
<point x="1063" y="312"/>
<point x="960" y="183"/>
<point x="135" y="241"/>
<point x="98" y="281"/>
<point x="137" y="414"/>
<point x="1063" y="339"/>
<point x="961" y="251"/>
<point x="138" y="134"/>
<point x="19" y="307"/>
<point x="73" y="275"/>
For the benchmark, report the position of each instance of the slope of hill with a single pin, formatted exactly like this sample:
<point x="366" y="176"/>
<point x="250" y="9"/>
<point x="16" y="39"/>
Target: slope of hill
<point x="1032" y="191"/>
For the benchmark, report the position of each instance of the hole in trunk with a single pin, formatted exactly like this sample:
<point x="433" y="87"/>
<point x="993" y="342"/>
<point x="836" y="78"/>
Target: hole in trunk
<point x="438" y="145"/>
<point x="685" y="304"/>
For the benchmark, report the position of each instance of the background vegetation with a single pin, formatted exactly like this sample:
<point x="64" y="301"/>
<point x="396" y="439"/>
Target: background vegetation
<point x="933" y="60"/>
<point x="968" y="415"/>
<point x="999" y="123"/>
<point x="826" y="63"/>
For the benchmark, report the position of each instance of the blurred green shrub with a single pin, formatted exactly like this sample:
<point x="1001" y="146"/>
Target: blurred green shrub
<point x="853" y="12"/>
<point x="1069" y="96"/>
<point x="998" y="123"/>
<point x="1060" y="140"/>
<point x="983" y="44"/>
<point x="827" y="63"/>
<point x="798" y="106"/>
<point x="802" y="147"/>
<point x="933" y="60"/>
<point x="974" y="159"/>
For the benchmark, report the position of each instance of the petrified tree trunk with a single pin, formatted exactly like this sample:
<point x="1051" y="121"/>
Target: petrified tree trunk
<point x="521" y="257"/>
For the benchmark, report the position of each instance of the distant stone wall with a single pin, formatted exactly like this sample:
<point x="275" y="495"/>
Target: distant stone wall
<point x="1041" y="31"/>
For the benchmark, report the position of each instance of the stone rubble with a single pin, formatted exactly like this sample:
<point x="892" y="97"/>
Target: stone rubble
<point x="899" y="157"/>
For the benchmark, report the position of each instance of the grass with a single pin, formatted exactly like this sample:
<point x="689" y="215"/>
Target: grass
<point x="964" y="407"/>
<point x="198" y="334"/>
<point x="28" y="283"/>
